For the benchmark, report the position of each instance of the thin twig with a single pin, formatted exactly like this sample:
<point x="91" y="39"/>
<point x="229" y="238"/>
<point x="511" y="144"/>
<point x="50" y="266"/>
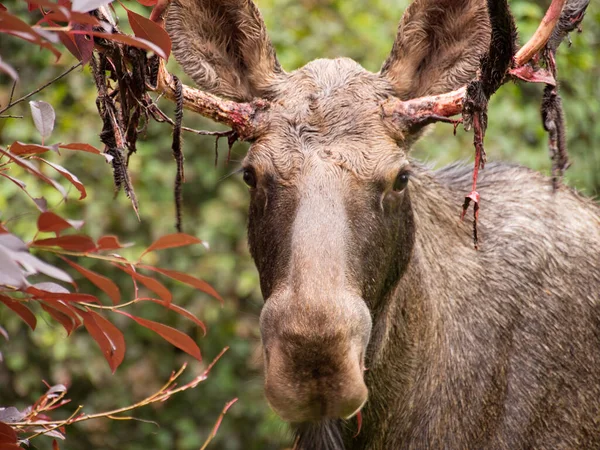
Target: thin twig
<point x="166" y="391"/>
<point x="12" y="92"/>
<point x="25" y="97"/>
<point x="10" y="117"/>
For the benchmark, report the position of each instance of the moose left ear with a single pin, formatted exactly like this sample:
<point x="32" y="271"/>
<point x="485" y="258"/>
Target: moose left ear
<point x="438" y="46"/>
<point x="223" y="45"/>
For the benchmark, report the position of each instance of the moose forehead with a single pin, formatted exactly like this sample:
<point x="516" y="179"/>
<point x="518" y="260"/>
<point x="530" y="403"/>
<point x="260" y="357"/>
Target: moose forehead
<point x="329" y="110"/>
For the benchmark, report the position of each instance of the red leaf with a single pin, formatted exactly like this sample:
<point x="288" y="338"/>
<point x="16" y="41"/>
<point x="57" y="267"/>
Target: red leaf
<point x="146" y="29"/>
<point x="170" y="241"/>
<point x="106" y="284"/>
<point x="39" y="203"/>
<point x="69" y="176"/>
<point x="39" y="291"/>
<point x="7" y="434"/>
<point x="125" y="39"/>
<point x="62" y="317"/>
<point x="187" y="279"/>
<point x="181" y="311"/>
<point x="23" y="311"/>
<point x="109" y="338"/>
<point x="147" y="2"/>
<point x="169" y="334"/>
<point x="52" y="223"/>
<point x="55" y="445"/>
<point x="82" y="147"/>
<point x="33" y="170"/>
<point x="59" y="13"/>
<point x="19" y="148"/>
<point x="73" y="242"/>
<point x="11" y="24"/>
<point x="84" y="44"/>
<point x="110" y="243"/>
<point x="10" y="446"/>
<point x="152" y="284"/>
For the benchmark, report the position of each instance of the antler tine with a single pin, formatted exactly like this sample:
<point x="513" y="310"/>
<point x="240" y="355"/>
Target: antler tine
<point x="439" y="108"/>
<point x="422" y="111"/>
<point x="244" y="118"/>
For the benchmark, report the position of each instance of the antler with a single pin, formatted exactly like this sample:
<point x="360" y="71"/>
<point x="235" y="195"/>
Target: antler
<point x="244" y="118"/>
<point x="497" y="65"/>
<point x="439" y="108"/>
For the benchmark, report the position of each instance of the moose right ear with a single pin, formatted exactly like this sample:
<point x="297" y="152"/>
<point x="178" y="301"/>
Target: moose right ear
<point x="223" y="46"/>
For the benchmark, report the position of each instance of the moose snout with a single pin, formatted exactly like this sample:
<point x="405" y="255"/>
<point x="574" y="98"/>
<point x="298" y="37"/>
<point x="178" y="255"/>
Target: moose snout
<point x="314" y="359"/>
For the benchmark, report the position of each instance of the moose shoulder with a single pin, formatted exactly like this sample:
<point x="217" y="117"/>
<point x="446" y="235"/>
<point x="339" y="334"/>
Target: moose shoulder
<point x="375" y="299"/>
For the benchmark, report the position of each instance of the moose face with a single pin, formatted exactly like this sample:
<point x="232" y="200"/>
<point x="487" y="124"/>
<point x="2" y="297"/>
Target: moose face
<point x="328" y="189"/>
<point x="330" y="224"/>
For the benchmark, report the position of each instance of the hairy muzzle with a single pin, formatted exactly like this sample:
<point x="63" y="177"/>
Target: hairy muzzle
<point x="314" y="357"/>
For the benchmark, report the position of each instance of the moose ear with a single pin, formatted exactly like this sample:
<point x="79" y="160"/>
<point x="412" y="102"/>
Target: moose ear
<point x="438" y="46"/>
<point x="223" y="46"/>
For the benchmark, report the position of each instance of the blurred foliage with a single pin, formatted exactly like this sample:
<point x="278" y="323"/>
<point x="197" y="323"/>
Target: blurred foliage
<point x="215" y="202"/>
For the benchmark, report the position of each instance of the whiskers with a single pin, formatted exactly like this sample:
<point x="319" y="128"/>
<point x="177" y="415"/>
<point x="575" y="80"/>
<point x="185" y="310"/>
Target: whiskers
<point x="322" y="435"/>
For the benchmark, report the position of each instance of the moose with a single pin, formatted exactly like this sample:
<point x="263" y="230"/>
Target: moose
<point x="376" y="300"/>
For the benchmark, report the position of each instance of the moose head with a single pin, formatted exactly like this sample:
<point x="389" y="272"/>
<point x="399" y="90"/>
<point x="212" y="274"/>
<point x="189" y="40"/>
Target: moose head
<point x="330" y="224"/>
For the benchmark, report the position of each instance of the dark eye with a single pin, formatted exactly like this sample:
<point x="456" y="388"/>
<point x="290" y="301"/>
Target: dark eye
<point x="401" y="181"/>
<point x="249" y="178"/>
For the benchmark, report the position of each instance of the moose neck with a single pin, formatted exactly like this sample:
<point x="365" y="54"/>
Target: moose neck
<point x="406" y="337"/>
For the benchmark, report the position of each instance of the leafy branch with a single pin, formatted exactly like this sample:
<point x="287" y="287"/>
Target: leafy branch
<point x="33" y="420"/>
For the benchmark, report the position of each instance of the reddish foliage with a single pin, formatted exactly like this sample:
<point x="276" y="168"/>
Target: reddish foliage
<point x="146" y="29"/>
<point x="62" y="314"/>
<point x="75" y="30"/>
<point x="69" y="176"/>
<point x="23" y="311"/>
<point x="34" y="171"/>
<point x="53" y="223"/>
<point x="124" y="39"/>
<point x="108" y="337"/>
<point x="8" y="437"/>
<point x="152" y="284"/>
<point x="110" y="243"/>
<point x="187" y="279"/>
<point x="60" y="294"/>
<point x="20" y="149"/>
<point x="171" y="241"/>
<point x="169" y="334"/>
<point x="102" y="282"/>
<point x="11" y="24"/>
<point x="73" y="242"/>
<point x="181" y="311"/>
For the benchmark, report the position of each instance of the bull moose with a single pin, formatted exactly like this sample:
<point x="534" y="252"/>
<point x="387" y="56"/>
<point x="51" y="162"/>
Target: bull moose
<point x="375" y="299"/>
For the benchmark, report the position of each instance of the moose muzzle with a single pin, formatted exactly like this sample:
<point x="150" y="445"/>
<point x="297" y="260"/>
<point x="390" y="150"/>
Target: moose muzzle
<point x="314" y="357"/>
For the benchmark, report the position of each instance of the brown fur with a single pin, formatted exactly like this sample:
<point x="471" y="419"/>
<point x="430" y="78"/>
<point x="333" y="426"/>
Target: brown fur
<point x="491" y="349"/>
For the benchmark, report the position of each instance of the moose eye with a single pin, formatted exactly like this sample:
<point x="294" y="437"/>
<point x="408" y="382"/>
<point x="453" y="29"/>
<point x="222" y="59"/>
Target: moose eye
<point x="249" y="178"/>
<point x="401" y="181"/>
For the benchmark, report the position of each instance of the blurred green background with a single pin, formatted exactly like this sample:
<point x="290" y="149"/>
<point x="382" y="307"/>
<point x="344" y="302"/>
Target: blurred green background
<point x="215" y="210"/>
